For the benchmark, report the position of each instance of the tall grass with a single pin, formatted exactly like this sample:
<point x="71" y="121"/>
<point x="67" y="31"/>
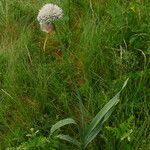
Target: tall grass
<point x="101" y="43"/>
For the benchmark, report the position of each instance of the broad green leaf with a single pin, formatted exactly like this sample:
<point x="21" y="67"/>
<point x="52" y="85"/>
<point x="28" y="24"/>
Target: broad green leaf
<point x="98" y="118"/>
<point x="62" y="123"/>
<point x="69" y="139"/>
<point x="101" y="114"/>
<point x="95" y="132"/>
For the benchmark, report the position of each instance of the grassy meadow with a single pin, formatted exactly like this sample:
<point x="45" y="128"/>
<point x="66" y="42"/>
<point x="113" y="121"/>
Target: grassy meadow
<point x="96" y="47"/>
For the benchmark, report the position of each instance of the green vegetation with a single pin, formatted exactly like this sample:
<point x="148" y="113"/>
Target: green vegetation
<point x="98" y="45"/>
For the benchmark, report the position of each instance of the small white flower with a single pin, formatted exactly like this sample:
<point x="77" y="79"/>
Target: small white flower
<point x="49" y="13"/>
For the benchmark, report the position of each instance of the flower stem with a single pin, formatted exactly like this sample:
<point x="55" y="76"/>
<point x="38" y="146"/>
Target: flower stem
<point x="46" y="38"/>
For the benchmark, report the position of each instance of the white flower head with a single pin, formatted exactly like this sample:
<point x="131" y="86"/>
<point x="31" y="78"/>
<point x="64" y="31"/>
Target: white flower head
<point x="49" y="13"/>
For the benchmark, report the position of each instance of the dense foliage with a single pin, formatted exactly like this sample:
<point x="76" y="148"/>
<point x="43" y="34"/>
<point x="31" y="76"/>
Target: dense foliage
<point x="97" y="46"/>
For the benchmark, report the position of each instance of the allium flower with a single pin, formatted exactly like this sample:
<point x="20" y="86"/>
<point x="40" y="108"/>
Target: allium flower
<point x="48" y="14"/>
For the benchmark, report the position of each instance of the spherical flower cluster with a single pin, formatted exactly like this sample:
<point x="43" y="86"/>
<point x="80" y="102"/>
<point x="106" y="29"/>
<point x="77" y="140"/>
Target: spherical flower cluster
<point x="48" y="14"/>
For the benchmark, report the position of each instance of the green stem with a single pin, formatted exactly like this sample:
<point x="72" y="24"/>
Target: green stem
<point x="46" y="38"/>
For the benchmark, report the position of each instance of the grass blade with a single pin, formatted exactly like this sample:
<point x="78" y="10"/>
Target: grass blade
<point x="69" y="139"/>
<point x="98" y="118"/>
<point x="95" y="132"/>
<point x="62" y="123"/>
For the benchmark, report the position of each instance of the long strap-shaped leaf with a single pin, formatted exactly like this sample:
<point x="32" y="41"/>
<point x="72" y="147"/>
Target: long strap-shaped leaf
<point x="69" y="139"/>
<point x="95" y="132"/>
<point x="98" y="118"/>
<point x="62" y="123"/>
